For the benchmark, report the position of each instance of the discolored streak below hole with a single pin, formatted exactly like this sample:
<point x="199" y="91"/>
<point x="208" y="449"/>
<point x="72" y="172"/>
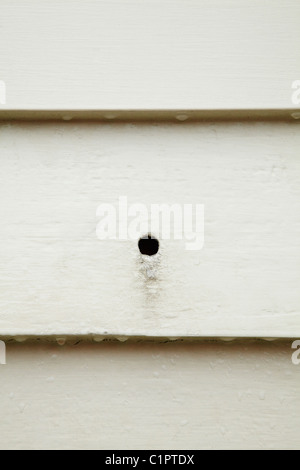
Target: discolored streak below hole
<point x="148" y="245"/>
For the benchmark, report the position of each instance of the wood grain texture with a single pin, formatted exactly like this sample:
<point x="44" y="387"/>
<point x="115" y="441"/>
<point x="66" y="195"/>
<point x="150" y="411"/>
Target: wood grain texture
<point x="57" y="278"/>
<point x="149" y="54"/>
<point x="153" y="396"/>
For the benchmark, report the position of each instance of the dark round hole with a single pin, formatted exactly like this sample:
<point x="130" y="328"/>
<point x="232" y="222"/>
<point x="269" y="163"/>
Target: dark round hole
<point x="148" y="245"/>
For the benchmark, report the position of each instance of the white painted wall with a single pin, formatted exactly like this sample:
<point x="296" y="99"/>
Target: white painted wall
<point x="153" y="396"/>
<point x="140" y="59"/>
<point x="149" y="54"/>
<point x="57" y="278"/>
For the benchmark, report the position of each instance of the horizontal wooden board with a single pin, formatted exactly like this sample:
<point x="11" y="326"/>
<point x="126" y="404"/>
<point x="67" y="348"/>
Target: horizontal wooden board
<point x="149" y="54"/>
<point x="58" y="278"/>
<point x="150" y="396"/>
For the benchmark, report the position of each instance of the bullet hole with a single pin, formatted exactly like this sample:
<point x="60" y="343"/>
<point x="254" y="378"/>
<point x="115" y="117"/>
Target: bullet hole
<point x="148" y="245"/>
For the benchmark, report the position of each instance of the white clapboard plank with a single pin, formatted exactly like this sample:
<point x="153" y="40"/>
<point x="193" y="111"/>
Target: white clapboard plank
<point x="58" y="278"/>
<point x="149" y="54"/>
<point x="150" y="396"/>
